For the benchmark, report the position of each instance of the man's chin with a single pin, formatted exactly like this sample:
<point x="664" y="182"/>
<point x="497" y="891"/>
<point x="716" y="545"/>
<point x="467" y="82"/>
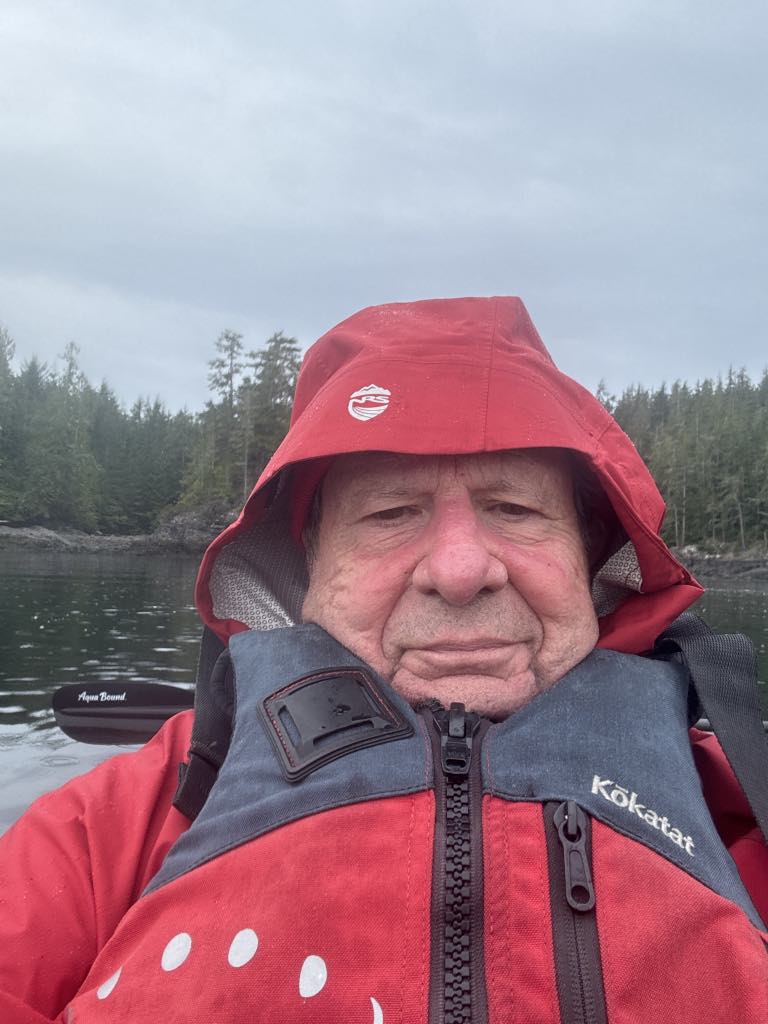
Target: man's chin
<point x="489" y="696"/>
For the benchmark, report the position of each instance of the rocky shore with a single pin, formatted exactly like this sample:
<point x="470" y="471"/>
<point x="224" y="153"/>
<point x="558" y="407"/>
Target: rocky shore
<point x="730" y="566"/>
<point x="190" y="533"/>
<point x="187" y="534"/>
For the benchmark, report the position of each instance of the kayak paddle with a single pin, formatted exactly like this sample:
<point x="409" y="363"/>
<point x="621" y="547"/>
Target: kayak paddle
<point x="133" y="712"/>
<point x="117" y="712"/>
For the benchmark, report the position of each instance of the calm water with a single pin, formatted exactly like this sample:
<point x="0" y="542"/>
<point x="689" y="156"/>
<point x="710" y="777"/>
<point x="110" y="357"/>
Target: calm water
<point x="68" y="618"/>
<point x="72" y="618"/>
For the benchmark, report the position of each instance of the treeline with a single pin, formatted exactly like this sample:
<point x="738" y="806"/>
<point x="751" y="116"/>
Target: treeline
<point x="72" y="456"/>
<point x="239" y="432"/>
<point x="707" y="448"/>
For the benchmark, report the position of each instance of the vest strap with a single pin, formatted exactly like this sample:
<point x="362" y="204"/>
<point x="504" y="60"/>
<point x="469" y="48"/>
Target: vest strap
<point x="723" y="670"/>
<point x="212" y="731"/>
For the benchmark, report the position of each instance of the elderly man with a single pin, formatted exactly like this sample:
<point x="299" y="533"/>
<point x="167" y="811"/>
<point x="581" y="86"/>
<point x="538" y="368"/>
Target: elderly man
<point x="457" y="791"/>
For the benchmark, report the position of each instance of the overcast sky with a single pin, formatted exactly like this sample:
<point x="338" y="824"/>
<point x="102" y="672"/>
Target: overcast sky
<point x="169" y="170"/>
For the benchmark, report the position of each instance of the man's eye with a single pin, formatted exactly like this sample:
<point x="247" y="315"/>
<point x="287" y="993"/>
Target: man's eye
<point x="510" y="510"/>
<point x="394" y="514"/>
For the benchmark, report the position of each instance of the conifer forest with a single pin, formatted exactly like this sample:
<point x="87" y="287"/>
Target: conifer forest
<point x="71" y="455"/>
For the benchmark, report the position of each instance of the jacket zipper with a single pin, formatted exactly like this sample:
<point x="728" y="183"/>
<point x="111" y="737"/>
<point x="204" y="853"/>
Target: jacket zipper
<point x="578" y="966"/>
<point x="457" y="985"/>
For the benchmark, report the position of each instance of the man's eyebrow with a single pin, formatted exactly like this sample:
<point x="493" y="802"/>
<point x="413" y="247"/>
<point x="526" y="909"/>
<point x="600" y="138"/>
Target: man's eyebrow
<point x="517" y="484"/>
<point x="364" y="491"/>
<point x="513" y="484"/>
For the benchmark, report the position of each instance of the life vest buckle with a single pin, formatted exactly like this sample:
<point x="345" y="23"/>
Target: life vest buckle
<point x="326" y="715"/>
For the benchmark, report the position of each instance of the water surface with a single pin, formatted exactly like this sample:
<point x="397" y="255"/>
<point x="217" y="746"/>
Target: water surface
<point x="75" y="618"/>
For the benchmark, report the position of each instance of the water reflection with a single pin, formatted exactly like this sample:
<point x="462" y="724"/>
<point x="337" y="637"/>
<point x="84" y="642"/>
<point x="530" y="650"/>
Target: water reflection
<point x="730" y="607"/>
<point x="71" y="617"/>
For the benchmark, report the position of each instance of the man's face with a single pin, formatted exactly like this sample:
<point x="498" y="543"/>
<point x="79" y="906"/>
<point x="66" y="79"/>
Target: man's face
<point x="459" y="578"/>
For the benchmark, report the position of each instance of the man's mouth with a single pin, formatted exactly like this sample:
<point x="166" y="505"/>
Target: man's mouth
<point x="491" y="657"/>
<point x="469" y="645"/>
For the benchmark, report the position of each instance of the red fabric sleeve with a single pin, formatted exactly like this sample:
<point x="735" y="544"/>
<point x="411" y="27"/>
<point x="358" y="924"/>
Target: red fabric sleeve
<point x="75" y="862"/>
<point x="733" y="817"/>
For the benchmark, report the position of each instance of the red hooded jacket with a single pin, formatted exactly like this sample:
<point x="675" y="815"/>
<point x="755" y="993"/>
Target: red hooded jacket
<point x="455" y="376"/>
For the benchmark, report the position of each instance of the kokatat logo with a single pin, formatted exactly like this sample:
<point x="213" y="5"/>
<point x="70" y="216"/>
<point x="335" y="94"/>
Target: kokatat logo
<point x="629" y="801"/>
<point x="369" y="402"/>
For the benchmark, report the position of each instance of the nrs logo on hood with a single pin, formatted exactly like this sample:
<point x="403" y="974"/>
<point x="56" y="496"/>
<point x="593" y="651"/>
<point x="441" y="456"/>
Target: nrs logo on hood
<point x="366" y="403"/>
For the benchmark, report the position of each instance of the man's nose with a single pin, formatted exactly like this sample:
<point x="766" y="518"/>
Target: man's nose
<point x="458" y="563"/>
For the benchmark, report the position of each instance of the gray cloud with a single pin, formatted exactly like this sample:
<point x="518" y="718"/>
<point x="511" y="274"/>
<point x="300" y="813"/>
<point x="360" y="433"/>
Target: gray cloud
<point x="172" y="171"/>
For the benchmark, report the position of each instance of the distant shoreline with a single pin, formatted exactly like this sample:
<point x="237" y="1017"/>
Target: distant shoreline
<point x="725" y="566"/>
<point x="183" y="536"/>
<point x="189" y="534"/>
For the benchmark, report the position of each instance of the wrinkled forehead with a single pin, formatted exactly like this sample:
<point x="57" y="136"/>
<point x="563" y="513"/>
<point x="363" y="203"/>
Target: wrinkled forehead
<point x="545" y="473"/>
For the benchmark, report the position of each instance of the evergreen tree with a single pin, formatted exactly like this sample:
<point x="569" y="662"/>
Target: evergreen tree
<point x="224" y="376"/>
<point x="226" y="367"/>
<point x="7" y="349"/>
<point x="239" y="433"/>
<point x="70" y="456"/>
<point x="109" y="443"/>
<point x="265" y="402"/>
<point x="707" y="449"/>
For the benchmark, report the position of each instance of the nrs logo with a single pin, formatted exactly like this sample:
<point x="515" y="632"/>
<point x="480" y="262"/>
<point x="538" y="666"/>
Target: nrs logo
<point x="369" y="402"/>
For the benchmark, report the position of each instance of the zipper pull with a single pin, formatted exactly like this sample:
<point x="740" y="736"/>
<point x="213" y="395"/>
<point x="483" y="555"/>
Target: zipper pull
<point x="572" y="824"/>
<point x="455" y="741"/>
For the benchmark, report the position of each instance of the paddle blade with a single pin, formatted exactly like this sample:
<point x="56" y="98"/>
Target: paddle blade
<point x="117" y="712"/>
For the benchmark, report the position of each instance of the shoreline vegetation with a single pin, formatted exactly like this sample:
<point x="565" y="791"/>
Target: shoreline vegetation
<point x="189" y="533"/>
<point x="73" y="458"/>
<point x="731" y="565"/>
<point x="185" y="534"/>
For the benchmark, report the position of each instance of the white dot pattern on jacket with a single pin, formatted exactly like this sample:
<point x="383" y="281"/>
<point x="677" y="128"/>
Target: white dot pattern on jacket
<point x="312" y="977"/>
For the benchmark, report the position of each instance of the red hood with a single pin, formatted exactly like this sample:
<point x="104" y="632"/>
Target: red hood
<point x="444" y="376"/>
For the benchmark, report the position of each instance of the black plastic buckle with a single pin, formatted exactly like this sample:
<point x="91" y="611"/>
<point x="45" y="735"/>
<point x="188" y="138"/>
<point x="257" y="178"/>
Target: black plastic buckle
<point x="328" y="714"/>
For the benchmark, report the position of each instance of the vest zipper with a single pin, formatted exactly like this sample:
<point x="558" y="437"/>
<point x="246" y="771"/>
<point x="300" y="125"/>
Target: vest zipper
<point x="578" y="966"/>
<point x="457" y="985"/>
